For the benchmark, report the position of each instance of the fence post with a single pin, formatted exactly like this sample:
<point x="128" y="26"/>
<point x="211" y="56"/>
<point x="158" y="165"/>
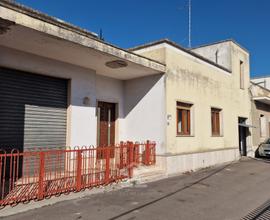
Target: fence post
<point x="121" y="155"/>
<point x="130" y="166"/>
<point x="154" y="153"/>
<point x="137" y="154"/>
<point x="107" y="165"/>
<point x="79" y="170"/>
<point x="147" y="153"/>
<point x="41" y="176"/>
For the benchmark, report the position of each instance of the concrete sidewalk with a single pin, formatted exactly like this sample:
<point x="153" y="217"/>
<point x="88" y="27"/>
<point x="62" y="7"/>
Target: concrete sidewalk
<point x="226" y="192"/>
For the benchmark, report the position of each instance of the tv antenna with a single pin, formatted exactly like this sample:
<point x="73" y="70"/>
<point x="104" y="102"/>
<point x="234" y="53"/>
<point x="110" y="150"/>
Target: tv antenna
<point x="189" y="23"/>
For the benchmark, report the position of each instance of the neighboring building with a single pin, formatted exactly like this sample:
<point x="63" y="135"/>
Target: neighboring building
<point x="263" y="81"/>
<point x="62" y="86"/>
<point x="260" y="111"/>
<point x="208" y="107"/>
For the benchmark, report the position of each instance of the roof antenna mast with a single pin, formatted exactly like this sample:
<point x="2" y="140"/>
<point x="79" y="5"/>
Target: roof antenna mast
<point x="189" y="23"/>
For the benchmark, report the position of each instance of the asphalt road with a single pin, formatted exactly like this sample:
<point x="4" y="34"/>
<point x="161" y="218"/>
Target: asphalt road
<point x="226" y="192"/>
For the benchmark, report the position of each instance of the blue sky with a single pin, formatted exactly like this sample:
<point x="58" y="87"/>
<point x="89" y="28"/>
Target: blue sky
<point x="129" y="23"/>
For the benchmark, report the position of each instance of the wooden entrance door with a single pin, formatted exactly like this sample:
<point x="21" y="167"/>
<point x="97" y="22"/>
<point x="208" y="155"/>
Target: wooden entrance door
<point x="106" y="124"/>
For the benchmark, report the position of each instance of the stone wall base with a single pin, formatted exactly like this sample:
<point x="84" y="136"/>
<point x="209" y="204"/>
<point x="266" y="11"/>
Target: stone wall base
<point x="179" y="163"/>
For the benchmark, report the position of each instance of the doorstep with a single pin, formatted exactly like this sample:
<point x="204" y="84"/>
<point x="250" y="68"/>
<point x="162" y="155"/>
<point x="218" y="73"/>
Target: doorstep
<point x="145" y="174"/>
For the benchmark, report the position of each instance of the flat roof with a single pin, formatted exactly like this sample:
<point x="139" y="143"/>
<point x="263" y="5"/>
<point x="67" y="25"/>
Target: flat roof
<point x="220" y="42"/>
<point x="174" y="44"/>
<point x="44" y="17"/>
<point x="67" y="26"/>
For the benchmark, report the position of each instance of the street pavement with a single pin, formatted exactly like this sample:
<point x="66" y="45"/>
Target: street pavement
<point x="233" y="191"/>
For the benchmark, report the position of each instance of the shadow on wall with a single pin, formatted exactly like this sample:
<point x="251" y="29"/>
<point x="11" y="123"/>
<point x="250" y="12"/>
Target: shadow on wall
<point x="30" y="100"/>
<point x="137" y="89"/>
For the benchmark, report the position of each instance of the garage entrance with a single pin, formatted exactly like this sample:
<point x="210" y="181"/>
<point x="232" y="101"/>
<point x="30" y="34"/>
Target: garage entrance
<point x="33" y="110"/>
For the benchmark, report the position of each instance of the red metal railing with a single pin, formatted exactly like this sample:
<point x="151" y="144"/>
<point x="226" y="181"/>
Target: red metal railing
<point x="25" y="176"/>
<point x="145" y="153"/>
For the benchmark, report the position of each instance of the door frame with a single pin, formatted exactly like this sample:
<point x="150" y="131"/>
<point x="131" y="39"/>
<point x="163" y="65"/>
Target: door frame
<point x="116" y="128"/>
<point x="242" y="137"/>
<point x="268" y="128"/>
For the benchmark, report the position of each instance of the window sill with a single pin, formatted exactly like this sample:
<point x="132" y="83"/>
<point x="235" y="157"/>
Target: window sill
<point x="184" y="135"/>
<point x="217" y="135"/>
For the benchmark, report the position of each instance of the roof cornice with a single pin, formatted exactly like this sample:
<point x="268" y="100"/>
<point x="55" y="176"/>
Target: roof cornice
<point x="44" y="17"/>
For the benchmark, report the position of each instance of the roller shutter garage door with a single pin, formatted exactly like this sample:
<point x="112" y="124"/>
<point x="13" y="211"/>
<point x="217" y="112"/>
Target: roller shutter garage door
<point x="33" y="110"/>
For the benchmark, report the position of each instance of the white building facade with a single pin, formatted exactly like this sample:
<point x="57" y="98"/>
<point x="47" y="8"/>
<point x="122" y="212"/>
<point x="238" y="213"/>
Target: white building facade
<point x="73" y="89"/>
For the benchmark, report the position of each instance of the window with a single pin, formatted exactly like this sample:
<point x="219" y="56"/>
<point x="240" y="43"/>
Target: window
<point x="215" y="121"/>
<point x="242" y="82"/>
<point x="183" y="118"/>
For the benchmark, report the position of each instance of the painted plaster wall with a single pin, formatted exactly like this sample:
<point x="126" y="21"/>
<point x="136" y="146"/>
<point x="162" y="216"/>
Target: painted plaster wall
<point x="158" y="54"/>
<point x="219" y="53"/>
<point x="112" y="90"/>
<point x="192" y="80"/>
<point x="206" y="86"/>
<point x="145" y="110"/>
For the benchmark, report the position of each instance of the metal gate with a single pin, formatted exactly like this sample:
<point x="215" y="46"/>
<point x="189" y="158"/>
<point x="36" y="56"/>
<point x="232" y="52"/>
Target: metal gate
<point x="33" y="110"/>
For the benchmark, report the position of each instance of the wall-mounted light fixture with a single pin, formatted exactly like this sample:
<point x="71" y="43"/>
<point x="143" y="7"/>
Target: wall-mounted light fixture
<point x="169" y="118"/>
<point x="86" y="101"/>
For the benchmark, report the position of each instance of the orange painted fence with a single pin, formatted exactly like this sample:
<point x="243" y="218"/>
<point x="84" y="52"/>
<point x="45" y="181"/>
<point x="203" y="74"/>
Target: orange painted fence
<point x="36" y="174"/>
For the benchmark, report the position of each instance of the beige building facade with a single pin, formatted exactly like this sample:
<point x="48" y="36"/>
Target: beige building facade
<point x="260" y="113"/>
<point x="210" y="96"/>
<point x="194" y="103"/>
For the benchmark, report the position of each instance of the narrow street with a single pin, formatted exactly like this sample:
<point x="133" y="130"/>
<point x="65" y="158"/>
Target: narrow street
<point x="233" y="191"/>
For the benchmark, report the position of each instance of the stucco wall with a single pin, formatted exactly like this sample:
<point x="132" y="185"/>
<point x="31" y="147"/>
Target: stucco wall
<point x="112" y="90"/>
<point x="219" y="53"/>
<point x="145" y="110"/>
<point x="192" y="80"/>
<point x="156" y="52"/>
